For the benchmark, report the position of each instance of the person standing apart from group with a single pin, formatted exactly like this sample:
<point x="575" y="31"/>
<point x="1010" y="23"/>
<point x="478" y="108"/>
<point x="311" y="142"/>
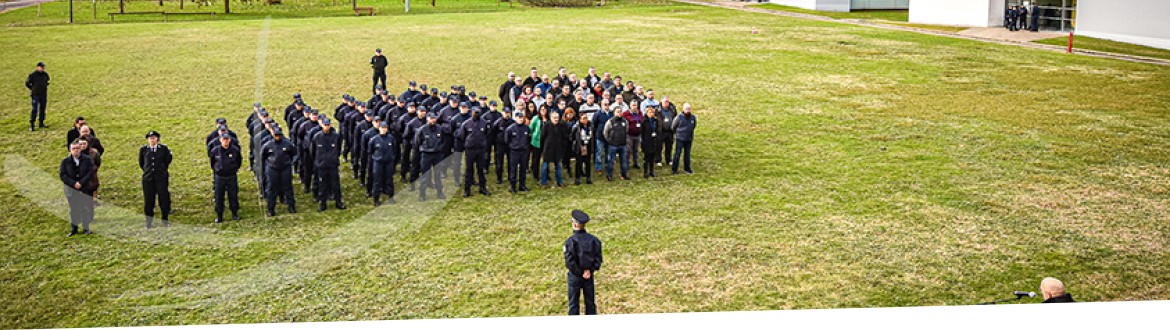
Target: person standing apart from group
<point x="38" y="87"/>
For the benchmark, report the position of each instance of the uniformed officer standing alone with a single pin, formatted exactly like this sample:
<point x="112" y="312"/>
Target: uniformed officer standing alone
<point x="379" y="64"/>
<point x="583" y="259"/>
<point x="155" y="160"/>
<point x="225" y="163"/>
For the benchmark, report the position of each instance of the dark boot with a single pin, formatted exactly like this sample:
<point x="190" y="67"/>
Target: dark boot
<point x="321" y="207"/>
<point x="235" y="216"/>
<point x="292" y="209"/>
<point x="483" y="191"/>
<point x="513" y="188"/>
<point x="377" y="201"/>
<point x="219" y="218"/>
<point x="339" y="204"/>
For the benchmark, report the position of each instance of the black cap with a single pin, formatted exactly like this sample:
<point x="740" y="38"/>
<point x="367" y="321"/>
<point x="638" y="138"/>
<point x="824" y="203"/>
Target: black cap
<point x="472" y="94"/>
<point x="492" y="103"/>
<point x="300" y="102"/>
<point x="483" y="97"/>
<point x="411" y="104"/>
<point x="220" y="120"/>
<point x="432" y="115"/>
<point x="383" y="124"/>
<point x="392" y="97"/>
<point x="41" y="64"/>
<point x="225" y="136"/>
<point x="326" y="121"/>
<point x="148" y="134"/>
<point x="413" y="83"/>
<point x="256" y="105"/>
<point x="580" y="217"/>
<point x="297" y="96"/>
<point x="277" y="131"/>
<point x="378" y="50"/>
<point x="423" y="86"/>
<point x="221" y="127"/>
<point x="312" y="111"/>
<point x="377" y="118"/>
<point x="434" y="90"/>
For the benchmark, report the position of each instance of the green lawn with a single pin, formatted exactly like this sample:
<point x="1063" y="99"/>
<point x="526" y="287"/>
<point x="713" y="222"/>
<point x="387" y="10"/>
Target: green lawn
<point x="837" y="166"/>
<point x="888" y="15"/>
<point x="1083" y="42"/>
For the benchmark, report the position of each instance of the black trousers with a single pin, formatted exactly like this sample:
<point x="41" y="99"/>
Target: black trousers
<point x="227" y="187"/>
<point x="577" y="286"/>
<point x="500" y="152"/>
<point x="156" y="188"/>
<point x="379" y="76"/>
<point x="38" y="109"/>
<point x="368" y="173"/>
<point x="415" y="165"/>
<point x="80" y="208"/>
<point x="407" y="161"/>
<point x="278" y="181"/>
<point x="476" y="168"/>
<point x="428" y="162"/>
<point x="517" y="160"/>
<point x="329" y="186"/>
<point x="584" y="167"/>
<point x="535" y="153"/>
<point x="308" y="176"/>
<point x="383" y="178"/>
<point x="667" y="148"/>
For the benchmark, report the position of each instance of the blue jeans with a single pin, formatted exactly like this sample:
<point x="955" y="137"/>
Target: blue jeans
<point x="544" y="172"/>
<point x="682" y="146"/>
<point x="599" y="156"/>
<point x="619" y="151"/>
<point x="38" y="109"/>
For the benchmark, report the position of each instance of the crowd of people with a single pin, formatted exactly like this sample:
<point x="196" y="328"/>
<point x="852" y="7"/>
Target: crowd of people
<point x="550" y="128"/>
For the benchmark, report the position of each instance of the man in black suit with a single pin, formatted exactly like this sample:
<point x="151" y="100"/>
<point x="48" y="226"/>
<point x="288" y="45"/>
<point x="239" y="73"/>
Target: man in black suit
<point x="76" y="172"/>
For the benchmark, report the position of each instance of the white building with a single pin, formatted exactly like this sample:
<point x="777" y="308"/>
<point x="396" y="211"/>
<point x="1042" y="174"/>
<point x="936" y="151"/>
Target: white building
<point x="1143" y="22"/>
<point x="845" y="5"/>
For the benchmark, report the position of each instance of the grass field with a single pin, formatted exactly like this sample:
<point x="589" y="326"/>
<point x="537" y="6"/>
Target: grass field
<point x="888" y="15"/>
<point x="837" y="166"/>
<point x="1083" y="42"/>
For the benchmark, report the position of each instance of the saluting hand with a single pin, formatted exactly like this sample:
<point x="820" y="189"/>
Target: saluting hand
<point x="588" y="274"/>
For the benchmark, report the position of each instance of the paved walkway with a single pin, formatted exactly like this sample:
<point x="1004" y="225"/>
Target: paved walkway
<point x="1015" y="39"/>
<point x="17" y="4"/>
<point x="1000" y="33"/>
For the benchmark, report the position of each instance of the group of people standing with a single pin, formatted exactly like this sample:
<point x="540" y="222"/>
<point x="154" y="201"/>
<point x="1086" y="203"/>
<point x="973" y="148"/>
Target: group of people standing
<point x="1017" y="18"/>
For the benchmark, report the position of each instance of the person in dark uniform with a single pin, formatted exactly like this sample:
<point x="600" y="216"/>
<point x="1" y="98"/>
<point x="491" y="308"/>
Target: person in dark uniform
<point x="379" y="64"/>
<point x="364" y="136"/>
<point x="583" y="259"/>
<point x="473" y="137"/>
<point x="412" y="127"/>
<point x="1022" y="20"/>
<point x="1053" y="291"/>
<point x="225" y="163"/>
<point x="1034" y="24"/>
<point x="1007" y="18"/>
<point x="38" y="87"/>
<point x="326" y="151"/>
<point x="305" y="159"/>
<point x="76" y="173"/>
<point x="383" y="150"/>
<point x="404" y="136"/>
<point x="499" y="147"/>
<point x="155" y="160"/>
<point x="429" y="141"/>
<point x="518" y="139"/>
<point x="277" y="158"/>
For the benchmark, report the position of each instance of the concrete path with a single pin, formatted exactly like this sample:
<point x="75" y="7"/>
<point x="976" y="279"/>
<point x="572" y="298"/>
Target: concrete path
<point x="17" y="4"/>
<point x="991" y="36"/>
<point x="1000" y="33"/>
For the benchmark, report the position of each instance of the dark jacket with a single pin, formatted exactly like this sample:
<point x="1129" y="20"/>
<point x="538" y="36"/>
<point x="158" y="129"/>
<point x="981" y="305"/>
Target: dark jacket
<point x="155" y="164"/>
<point x="37" y="83"/>
<point x="473" y="135"/>
<point x="615" y="131"/>
<point x="278" y="154"/>
<point x="652" y="135"/>
<point x="583" y="140"/>
<point x="429" y="138"/>
<point x="582" y="251"/>
<point x="74" y="133"/>
<point x="1065" y="298"/>
<point x="225" y="162"/>
<point x="83" y="172"/>
<point x="555" y="138"/>
<point x="667" y="114"/>
<point x="517" y="136"/>
<point x="379" y="63"/>
<point x="383" y="148"/>
<point x="684" y="127"/>
<point x="327" y="149"/>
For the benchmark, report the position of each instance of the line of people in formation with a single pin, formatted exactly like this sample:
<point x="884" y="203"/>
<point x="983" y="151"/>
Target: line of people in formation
<point x="407" y="135"/>
<point x="1016" y="18"/>
<point x="541" y="125"/>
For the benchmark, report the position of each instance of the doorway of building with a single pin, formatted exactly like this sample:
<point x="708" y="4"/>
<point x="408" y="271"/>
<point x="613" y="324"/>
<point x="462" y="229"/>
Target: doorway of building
<point x="1054" y="15"/>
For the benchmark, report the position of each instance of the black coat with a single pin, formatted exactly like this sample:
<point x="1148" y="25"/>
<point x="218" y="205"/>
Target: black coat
<point x="652" y="135"/>
<point x="71" y="173"/>
<point x="582" y="251"/>
<point x="155" y="164"/>
<point x="37" y="83"/>
<point x="555" y="138"/>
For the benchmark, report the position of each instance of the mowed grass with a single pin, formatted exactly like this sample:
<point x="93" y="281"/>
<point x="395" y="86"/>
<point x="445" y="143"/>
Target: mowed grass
<point x="837" y="166"/>
<point x="896" y="15"/>
<point x="1083" y="42"/>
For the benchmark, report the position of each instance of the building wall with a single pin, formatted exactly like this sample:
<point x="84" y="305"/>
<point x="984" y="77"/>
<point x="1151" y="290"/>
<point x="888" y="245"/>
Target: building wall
<point x="978" y="13"/>
<point x="826" y="5"/>
<point x="1143" y="22"/>
<point x="879" y="4"/>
